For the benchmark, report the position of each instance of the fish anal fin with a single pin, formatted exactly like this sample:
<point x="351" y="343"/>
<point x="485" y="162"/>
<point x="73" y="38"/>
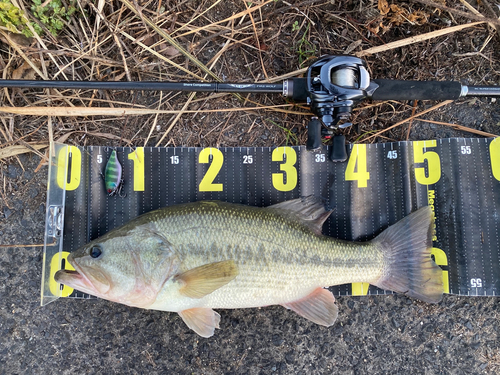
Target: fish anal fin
<point x="319" y="307"/>
<point x="203" y="280"/>
<point x="309" y="210"/>
<point x="201" y="320"/>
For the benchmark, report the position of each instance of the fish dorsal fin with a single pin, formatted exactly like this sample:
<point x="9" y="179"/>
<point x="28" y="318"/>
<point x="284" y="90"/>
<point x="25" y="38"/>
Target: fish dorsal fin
<point x="309" y="210"/>
<point x="201" y="320"/>
<point x="203" y="280"/>
<point x="319" y="307"/>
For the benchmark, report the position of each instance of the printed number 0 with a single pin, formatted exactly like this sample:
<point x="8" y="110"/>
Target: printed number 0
<point x="433" y="162"/>
<point x="289" y="156"/>
<point x="69" y="178"/>
<point x="207" y="182"/>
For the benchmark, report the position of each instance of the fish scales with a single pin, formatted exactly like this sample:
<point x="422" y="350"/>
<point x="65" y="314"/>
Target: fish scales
<point x="277" y="257"/>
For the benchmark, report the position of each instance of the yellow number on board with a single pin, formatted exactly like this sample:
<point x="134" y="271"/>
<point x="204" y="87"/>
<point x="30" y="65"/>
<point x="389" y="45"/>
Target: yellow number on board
<point x="207" y="182"/>
<point x="356" y="166"/>
<point x="442" y="260"/>
<point x="137" y="156"/>
<point x="433" y="162"/>
<point x="72" y="180"/>
<point x="360" y="289"/>
<point x="289" y="156"/>
<point x="495" y="157"/>
<point x="55" y="265"/>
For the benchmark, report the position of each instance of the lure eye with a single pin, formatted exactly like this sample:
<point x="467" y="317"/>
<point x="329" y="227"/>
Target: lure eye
<point x="95" y="252"/>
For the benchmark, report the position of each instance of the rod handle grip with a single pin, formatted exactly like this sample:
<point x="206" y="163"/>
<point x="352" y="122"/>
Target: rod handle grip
<point x="416" y="90"/>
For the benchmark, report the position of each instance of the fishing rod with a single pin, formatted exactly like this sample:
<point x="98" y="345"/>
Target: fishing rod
<point x="333" y="85"/>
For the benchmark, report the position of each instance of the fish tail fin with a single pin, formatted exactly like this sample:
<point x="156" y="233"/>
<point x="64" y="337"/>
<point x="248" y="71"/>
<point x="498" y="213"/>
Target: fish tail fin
<point x="408" y="267"/>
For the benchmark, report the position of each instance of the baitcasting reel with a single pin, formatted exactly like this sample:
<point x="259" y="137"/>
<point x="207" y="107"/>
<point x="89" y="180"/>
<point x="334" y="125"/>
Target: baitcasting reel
<point x="335" y="84"/>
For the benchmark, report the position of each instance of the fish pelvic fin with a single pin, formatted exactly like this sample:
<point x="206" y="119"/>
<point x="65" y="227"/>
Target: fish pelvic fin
<point x="203" y="280"/>
<point x="202" y="320"/>
<point x="408" y="266"/>
<point x="309" y="210"/>
<point x="319" y="307"/>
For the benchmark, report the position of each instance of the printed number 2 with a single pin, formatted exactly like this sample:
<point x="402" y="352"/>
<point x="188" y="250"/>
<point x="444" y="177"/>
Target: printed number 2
<point x="207" y="182"/>
<point x="356" y="166"/>
<point x="289" y="156"/>
<point x="433" y="162"/>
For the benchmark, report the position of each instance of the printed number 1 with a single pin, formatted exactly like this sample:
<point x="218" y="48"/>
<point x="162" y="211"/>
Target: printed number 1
<point x="137" y="157"/>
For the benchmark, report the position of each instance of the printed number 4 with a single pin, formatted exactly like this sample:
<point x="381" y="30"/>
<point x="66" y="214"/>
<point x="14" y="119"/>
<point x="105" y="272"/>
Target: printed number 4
<point x="465" y="150"/>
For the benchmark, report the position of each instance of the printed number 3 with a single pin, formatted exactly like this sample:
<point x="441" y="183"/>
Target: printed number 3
<point x="289" y="157"/>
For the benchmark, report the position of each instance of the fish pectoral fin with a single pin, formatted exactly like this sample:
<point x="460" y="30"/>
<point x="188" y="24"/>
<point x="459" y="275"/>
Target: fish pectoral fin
<point x="319" y="307"/>
<point x="203" y="280"/>
<point x="201" y="320"/>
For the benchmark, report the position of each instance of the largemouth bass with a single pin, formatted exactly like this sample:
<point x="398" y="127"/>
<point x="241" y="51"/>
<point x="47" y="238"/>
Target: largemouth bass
<point x="195" y="257"/>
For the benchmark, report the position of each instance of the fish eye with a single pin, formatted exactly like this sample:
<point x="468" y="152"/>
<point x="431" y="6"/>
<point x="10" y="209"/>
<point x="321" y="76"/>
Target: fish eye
<point x="95" y="252"/>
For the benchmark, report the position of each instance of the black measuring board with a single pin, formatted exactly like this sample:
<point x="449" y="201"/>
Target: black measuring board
<point x="378" y="185"/>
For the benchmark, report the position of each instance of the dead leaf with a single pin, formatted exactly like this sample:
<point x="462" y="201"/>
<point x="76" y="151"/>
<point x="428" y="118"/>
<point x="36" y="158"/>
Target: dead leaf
<point x="170" y="51"/>
<point x="18" y="149"/>
<point x="25" y="71"/>
<point x="383" y="7"/>
<point x="17" y="38"/>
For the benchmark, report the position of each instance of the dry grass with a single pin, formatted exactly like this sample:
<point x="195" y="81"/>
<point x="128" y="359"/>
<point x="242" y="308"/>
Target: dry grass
<point x="230" y="41"/>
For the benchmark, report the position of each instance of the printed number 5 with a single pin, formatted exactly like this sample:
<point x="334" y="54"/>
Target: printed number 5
<point x="433" y="162"/>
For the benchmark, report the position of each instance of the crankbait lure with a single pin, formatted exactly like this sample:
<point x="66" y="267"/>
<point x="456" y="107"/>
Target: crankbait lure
<point x="113" y="176"/>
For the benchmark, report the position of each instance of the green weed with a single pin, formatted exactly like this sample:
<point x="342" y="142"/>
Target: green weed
<point x="13" y="19"/>
<point x="52" y="14"/>
<point x="305" y="49"/>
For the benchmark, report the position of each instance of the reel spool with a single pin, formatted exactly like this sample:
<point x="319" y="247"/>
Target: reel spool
<point x="335" y="84"/>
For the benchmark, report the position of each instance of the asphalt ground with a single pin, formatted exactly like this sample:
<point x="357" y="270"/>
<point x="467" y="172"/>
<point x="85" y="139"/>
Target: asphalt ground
<point x="374" y="334"/>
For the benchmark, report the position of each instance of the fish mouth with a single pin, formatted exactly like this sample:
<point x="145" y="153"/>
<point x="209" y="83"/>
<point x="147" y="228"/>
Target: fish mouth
<point x="74" y="278"/>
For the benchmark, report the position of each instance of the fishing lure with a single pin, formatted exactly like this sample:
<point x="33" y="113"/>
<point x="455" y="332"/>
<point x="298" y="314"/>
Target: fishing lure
<point x="113" y="176"/>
